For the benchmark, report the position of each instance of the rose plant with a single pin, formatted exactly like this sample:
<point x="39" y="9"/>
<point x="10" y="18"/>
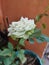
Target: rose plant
<point x="24" y="29"/>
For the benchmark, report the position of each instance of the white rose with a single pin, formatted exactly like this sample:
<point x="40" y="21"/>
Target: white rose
<point x="20" y="29"/>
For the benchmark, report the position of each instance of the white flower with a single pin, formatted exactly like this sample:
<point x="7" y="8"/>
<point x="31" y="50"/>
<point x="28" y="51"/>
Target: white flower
<point x="22" y="29"/>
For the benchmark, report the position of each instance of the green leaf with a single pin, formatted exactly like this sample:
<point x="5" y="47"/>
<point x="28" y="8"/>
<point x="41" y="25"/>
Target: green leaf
<point x="31" y="40"/>
<point x="45" y="37"/>
<point x="36" y="33"/>
<point x="2" y="58"/>
<point x="38" y="17"/>
<point x="43" y="25"/>
<point x="40" y="40"/>
<point x="21" y="56"/>
<point x="7" y="61"/>
<point x="37" y="30"/>
<point x="21" y="51"/>
<point x="10" y="46"/>
<point x="13" y="56"/>
<point x="21" y="42"/>
<point x="5" y="52"/>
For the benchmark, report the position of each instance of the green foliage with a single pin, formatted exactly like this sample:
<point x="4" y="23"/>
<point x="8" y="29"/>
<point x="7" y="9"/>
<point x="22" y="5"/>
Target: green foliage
<point x="37" y="33"/>
<point x="43" y="25"/>
<point x="45" y="37"/>
<point x="7" y="55"/>
<point x="10" y="60"/>
<point x="21" y="42"/>
<point x="31" y="40"/>
<point x="10" y="46"/>
<point x="39" y="37"/>
<point x="21" y="56"/>
<point x="38" y="17"/>
<point x="42" y="38"/>
<point x="5" y="52"/>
